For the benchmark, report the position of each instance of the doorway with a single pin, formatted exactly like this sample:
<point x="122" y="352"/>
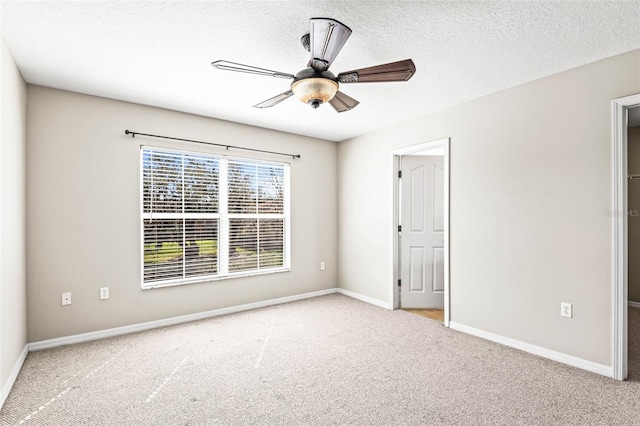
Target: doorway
<point x="620" y="342"/>
<point x="633" y="243"/>
<point x="421" y="229"/>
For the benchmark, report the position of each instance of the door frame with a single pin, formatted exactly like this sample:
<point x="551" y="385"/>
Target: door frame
<point x="619" y="124"/>
<point x="441" y="146"/>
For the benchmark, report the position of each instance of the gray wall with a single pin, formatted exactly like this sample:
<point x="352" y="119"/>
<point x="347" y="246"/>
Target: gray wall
<point x="13" y="311"/>
<point x="531" y="193"/>
<point x="83" y="229"/>
<point x="634" y="214"/>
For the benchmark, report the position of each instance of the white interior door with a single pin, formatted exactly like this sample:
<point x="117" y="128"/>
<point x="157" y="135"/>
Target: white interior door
<point x="421" y="236"/>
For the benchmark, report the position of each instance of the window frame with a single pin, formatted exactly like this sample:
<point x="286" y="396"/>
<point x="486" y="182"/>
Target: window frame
<point x="223" y="219"/>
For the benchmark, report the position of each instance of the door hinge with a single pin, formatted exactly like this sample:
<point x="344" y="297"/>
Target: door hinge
<point x="399" y="283"/>
<point x="399" y="228"/>
<point x="400" y="174"/>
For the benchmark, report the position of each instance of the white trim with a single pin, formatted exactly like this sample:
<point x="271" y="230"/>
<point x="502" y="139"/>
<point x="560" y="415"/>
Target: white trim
<point x="442" y="145"/>
<point x="287" y="215"/>
<point x="8" y="385"/>
<point x="447" y="200"/>
<point x="573" y="361"/>
<point x="633" y="304"/>
<point x="210" y="278"/>
<point x="619" y="345"/>
<point x="224" y="153"/>
<point x="117" y="331"/>
<point x="425" y="146"/>
<point x="366" y="299"/>
<point x="395" y="253"/>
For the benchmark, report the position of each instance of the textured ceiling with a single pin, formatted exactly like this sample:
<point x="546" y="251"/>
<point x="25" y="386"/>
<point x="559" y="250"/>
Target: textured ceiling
<point x="159" y="53"/>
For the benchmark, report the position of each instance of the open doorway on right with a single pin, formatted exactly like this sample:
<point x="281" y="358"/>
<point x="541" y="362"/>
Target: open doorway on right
<point x="633" y="238"/>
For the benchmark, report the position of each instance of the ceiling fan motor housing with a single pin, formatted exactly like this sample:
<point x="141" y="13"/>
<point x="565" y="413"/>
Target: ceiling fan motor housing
<point x="314" y="87"/>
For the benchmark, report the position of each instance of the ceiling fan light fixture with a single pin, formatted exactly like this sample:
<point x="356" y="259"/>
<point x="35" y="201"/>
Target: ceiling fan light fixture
<point x="315" y="90"/>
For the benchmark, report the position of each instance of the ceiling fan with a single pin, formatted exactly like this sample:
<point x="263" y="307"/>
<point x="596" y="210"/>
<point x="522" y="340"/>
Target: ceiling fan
<point x="315" y="84"/>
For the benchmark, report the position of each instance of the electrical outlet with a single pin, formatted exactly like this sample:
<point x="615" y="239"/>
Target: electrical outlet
<point x="66" y="298"/>
<point x="566" y="310"/>
<point x="104" y="293"/>
<point x="322" y="266"/>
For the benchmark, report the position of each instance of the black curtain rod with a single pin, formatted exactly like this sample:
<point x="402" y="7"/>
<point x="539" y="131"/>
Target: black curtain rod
<point x="133" y="135"/>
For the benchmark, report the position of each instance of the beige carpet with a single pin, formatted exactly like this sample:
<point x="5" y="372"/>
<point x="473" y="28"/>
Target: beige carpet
<point x="323" y="361"/>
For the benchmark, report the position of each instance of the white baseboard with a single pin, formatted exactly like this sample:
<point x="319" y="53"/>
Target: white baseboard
<point x="133" y="328"/>
<point x="6" y="388"/>
<point x="364" y="298"/>
<point x="634" y="304"/>
<point x="594" y="367"/>
<point x="117" y="331"/>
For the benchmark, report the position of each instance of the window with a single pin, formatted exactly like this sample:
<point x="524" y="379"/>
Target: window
<point x="206" y="217"/>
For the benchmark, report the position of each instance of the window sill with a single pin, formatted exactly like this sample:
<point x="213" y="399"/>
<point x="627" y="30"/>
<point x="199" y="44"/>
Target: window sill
<point x="199" y="280"/>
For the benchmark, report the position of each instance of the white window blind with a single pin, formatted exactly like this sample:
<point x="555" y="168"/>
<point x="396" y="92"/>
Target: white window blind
<point x="207" y="217"/>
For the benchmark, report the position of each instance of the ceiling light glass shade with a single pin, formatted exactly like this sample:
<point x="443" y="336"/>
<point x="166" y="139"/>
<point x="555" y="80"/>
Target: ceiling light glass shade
<point x="314" y="89"/>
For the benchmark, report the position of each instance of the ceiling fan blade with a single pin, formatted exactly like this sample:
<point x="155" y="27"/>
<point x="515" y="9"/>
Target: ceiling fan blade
<point x="327" y="36"/>
<point x="394" y="71"/>
<point x="232" y="66"/>
<point x="275" y="100"/>
<point x="342" y="102"/>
